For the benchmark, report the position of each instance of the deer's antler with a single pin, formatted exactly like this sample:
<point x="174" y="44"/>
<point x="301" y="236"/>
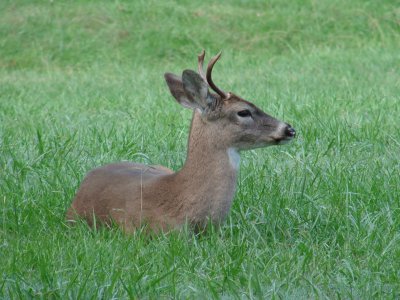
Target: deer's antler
<point x="208" y="77"/>
<point x="200" y="60"/>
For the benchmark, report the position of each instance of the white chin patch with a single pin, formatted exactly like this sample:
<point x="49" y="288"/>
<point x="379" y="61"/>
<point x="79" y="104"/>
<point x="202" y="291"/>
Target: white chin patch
<point x="234" y="158"/>
<point x="285" y="141"/>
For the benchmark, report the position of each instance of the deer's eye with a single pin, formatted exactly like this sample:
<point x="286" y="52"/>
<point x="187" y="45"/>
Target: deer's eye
<point x="244" y="113"/>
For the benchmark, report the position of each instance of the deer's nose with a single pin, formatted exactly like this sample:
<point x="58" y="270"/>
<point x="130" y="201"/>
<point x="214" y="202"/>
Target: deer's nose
<point x="289" y="131"/>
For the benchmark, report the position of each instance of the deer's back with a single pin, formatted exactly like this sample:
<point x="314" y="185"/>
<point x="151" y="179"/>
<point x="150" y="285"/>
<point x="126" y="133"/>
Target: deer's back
<point x="116" y="192"/>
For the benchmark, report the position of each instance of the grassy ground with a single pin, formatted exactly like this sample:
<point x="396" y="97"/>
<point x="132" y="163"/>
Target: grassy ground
<point x="81" y="84"/>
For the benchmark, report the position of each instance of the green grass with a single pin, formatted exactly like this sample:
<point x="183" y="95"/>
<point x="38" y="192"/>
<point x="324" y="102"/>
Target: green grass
<point x="81" y="84"/>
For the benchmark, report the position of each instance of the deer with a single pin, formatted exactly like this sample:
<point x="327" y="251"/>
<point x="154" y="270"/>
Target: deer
<point x="133" y="195"/>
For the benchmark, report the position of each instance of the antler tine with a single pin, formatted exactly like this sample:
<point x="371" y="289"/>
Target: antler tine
<point x="200" y="64"/>
<point x="209" y="79"/>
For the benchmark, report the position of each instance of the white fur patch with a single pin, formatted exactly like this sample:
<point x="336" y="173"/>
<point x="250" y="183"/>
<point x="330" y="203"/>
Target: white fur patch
<point x="234" y="158"/>
<point x="281" y="128"/>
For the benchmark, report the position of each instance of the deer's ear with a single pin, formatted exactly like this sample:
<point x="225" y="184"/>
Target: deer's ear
<point x="196" y="88"/>
<point x="175" y="85"/>
<point x="190" y="91"/>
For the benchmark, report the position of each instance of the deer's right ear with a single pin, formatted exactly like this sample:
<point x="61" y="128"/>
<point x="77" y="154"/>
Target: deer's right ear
<point x="175" y="85"/>
<point x="197" y="89"/>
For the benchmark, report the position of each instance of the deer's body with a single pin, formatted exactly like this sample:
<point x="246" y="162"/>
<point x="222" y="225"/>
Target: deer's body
<point x="133" y="194"/>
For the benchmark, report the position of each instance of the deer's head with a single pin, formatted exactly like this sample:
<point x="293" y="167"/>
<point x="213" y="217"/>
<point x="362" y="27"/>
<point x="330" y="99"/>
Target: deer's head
<point x="241" y="124"/>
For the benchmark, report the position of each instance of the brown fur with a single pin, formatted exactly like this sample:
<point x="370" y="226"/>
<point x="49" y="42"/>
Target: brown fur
<point x="132" y="194"/>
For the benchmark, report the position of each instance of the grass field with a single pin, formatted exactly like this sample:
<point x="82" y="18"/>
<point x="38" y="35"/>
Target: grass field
<point x="81" y="85"/>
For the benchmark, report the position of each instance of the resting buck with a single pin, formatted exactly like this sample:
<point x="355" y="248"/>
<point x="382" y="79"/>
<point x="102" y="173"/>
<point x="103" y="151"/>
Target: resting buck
<point x="223" y="124"/>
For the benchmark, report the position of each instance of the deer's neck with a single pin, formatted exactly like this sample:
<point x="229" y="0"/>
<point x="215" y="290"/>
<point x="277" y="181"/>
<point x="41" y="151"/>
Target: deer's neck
<point x="208" y="178"/>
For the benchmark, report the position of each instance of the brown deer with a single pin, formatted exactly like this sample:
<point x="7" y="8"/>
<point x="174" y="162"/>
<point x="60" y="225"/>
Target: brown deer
<point x="223" y="124"/>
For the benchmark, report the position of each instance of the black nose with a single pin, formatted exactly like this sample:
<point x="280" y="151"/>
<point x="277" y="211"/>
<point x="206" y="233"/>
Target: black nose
<point x="289" y="131"/>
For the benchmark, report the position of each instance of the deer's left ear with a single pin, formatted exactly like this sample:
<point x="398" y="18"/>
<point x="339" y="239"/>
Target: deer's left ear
<point x="175" y="85"/>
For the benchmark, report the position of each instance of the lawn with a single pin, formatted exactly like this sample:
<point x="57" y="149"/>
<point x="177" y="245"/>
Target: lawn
<point x="81" y="85"/>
